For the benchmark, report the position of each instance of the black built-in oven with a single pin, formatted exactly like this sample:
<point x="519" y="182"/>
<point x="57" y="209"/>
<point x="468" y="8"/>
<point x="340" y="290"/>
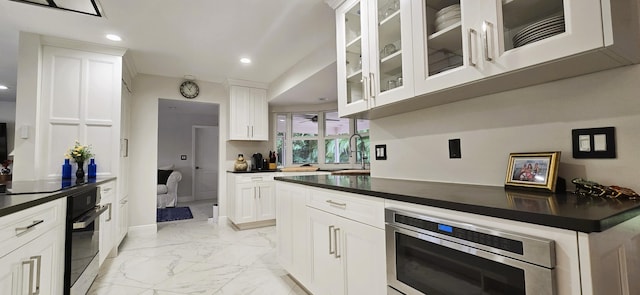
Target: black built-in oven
<point x="428" y="255"/>
<point x="82" y="240"/>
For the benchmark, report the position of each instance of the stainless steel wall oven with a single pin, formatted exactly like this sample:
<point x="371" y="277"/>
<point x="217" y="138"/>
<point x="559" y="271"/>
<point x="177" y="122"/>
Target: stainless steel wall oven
<point x="82" y="240"/>
<point x="428" y="255"/>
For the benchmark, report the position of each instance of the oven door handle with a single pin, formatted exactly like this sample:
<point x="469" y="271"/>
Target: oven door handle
<point x="86" y="219"/>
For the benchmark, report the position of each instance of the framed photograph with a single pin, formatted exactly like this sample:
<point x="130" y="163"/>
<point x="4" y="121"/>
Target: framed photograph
<point x="532" y="203"/>
<point x="533" y="170"/>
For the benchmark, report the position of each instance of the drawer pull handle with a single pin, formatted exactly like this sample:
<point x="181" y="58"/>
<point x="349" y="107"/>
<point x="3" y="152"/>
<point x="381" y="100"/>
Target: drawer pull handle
<point x="335" y="242"/>
<point x="38" y="269"/>
<point x="23" y="230"/>
<point x="331" y="202"/>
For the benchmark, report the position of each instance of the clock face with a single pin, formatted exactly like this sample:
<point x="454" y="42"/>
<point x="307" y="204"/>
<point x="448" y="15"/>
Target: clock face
<point x="189" y="89"/>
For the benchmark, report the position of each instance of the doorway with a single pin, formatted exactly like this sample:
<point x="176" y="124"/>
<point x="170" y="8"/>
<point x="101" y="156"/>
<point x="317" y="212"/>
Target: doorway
<point x="179" y="124"/>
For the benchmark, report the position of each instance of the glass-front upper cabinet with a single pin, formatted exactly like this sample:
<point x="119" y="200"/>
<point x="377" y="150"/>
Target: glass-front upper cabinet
<point x="524" y="33"/>
<point x="446" y="42"/>
<point x="374" y="54"/>
<point x="391" y="54"/>
<point x="351" y="57"/>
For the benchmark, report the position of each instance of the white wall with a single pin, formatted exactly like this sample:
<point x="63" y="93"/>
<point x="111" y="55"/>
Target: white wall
<point x="8" y="115"/>
<point x="537" y="118"/>
<point x="174" y="139"/>
<point x="143" y="142"/>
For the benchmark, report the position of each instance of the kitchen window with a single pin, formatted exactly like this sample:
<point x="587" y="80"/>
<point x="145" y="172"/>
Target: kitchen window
<point x="319" y="138"/>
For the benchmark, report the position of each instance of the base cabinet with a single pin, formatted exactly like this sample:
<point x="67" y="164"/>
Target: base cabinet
<point x="347" y="257"/>
<point x="34" y="267"/>
<point x="291" y="225"/>
<point x="32" y="260"/>
<point x="251" y="200"/>
<point x="107" y="220"/>
<point x="330" y="252"/>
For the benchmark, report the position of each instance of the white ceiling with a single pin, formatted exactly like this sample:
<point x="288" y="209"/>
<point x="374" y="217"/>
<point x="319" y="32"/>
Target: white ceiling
<point x="203" y="38"/>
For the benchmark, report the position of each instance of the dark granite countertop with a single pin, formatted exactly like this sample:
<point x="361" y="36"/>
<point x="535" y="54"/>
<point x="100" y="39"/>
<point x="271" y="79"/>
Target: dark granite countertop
<point x="565" y="210"/>
<point x="21" y="195"/>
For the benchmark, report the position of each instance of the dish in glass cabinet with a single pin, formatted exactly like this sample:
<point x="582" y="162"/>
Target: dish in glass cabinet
<point x="541" y="24"/>
<point x="543" y="34"/>
<point x="447" y="24"/>
<point x="533" y="34"/>
<point x="447" y="9"/>
<point x="539" y="30"/>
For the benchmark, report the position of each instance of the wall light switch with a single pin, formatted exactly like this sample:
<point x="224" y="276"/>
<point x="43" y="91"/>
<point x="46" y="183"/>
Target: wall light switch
<point x="24" y="132"/>
<point x="594" y="143"/>
<point x="600" y="142"/>
<point x="381" y="151"/>
<point x="585" y="143"/>
<point x="454" y="149"/>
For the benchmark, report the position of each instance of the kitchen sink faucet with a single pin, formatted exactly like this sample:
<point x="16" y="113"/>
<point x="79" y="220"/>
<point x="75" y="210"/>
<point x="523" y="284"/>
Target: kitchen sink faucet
<point x="351" y="151"/>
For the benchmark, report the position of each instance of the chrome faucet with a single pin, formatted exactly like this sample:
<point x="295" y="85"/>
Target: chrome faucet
<point x="351" y="151"/>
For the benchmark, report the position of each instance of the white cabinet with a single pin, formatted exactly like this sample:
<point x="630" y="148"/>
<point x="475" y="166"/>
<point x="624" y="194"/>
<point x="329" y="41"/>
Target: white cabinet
<point x="32" y="250"/>
<point x="80" y="100"/>
<point x="347" y="257"/>
<point x="331" y="242"/>
<point x="107" y="221"/>
<point x="248" y="113"/>
<point x="481" y="43"/>
<point x="122" y="210"/>
<point x="251" y="200"/>
<point x="374" y="54"/>
<point x="291" y="225"/>
<point x="444" y="54"/>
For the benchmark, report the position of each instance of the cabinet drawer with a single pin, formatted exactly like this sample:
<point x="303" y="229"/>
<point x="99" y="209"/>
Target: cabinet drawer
<point x="364" y="209"/>
<point x="107" y="190"/>
<point x="254" y="178"/>
<point x="21" y="227"/>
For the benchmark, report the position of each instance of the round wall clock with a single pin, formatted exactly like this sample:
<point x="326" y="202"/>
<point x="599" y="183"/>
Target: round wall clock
<point x="189" y="89"/>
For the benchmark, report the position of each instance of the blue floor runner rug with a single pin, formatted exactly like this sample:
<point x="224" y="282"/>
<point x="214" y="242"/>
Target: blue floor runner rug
<point x="171" y="214"/>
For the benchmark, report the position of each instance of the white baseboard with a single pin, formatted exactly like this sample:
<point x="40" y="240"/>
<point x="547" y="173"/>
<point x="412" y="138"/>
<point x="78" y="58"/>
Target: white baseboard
<point x="142" y="230"/>
<point x="186" y="199"/>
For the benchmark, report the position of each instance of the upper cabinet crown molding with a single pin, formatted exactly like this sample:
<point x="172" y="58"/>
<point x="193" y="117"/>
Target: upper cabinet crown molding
<point x="334" y="3"/>
<point x="80" y="45"/>
<point x="245" y="83"/>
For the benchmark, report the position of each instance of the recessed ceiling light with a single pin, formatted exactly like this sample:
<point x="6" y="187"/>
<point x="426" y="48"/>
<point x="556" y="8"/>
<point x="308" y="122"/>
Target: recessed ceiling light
<point x="245" y="60"/>
<point x="2" y="87"/>
<point x="113" y="37"/>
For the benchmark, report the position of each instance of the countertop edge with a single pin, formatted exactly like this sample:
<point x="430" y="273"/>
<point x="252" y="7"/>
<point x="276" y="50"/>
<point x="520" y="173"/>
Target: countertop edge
<point x="47" y="197"/>
<point x="561" y="222"/>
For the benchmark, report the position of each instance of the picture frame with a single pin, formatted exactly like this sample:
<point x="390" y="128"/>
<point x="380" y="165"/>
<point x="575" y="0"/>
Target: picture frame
<point x="532" y="203"/>
<point x="533" y="170"/>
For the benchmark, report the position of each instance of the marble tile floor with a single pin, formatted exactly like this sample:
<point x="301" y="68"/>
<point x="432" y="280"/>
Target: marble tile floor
<point x="196" y="257"/>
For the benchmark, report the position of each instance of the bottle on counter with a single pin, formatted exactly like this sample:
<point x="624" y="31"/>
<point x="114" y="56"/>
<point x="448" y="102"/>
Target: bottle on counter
<point x="66" y="169"/>
<point x="93" y="168"/>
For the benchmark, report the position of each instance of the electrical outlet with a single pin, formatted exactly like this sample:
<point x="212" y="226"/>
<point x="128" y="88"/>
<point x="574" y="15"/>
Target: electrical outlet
<point x="381" y="151"/>
<point x="594" y="143"/>
<point x="183" y="157"/>
<point x="454" y="149"/>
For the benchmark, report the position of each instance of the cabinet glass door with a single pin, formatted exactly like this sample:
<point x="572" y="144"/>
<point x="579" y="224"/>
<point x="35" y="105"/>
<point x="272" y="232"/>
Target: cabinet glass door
<point x="391" y="50"/>
<point x="351" y="91"/>
<point x="446" y="43"/>
<point x="530" y="32"/>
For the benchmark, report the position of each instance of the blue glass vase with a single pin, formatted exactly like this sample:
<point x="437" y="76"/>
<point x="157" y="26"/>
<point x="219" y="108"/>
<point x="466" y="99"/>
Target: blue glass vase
<point x="92" y="169"/>
<point x="66" y="169"/>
